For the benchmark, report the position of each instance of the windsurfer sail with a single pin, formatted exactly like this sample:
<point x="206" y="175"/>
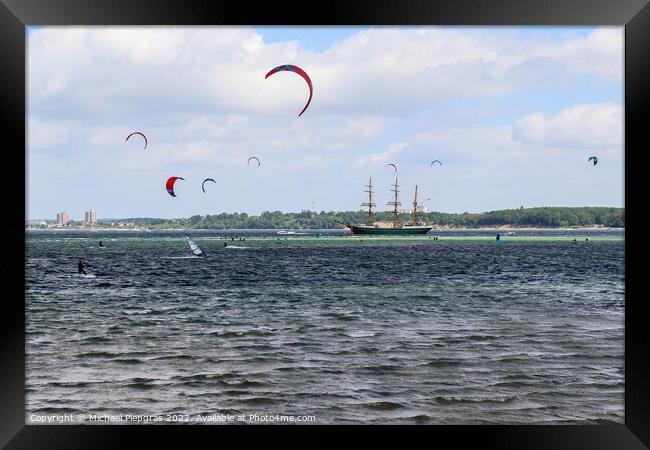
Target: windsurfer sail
<point x="195" y="248"/>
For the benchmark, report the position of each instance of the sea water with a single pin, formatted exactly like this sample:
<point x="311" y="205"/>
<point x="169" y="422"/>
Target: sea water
<point x="343" y="329"/>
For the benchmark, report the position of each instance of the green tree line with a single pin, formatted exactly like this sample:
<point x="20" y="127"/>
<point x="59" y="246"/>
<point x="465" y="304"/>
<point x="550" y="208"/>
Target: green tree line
<point x="522" y="217"/>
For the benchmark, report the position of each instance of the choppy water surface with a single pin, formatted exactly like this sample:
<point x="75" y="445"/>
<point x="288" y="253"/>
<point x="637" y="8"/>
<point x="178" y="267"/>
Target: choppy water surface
<point x="350" y="330"/>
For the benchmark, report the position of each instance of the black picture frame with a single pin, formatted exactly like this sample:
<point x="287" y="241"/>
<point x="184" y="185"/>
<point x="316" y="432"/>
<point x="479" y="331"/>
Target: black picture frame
<point x="15" y="15"/>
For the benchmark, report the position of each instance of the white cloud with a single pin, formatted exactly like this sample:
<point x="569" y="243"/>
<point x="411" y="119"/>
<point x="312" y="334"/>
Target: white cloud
<point x="584" y="126"/>
<point x="146" y="72"/>
<point x="48" y="134"/>
<point x="391" y="152"/>
<point x="600" y="53"/>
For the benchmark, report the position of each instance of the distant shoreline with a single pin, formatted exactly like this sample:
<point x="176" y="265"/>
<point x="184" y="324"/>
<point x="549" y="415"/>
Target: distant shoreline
<point x="500" y="228"/>
<point x="538" y="218"/>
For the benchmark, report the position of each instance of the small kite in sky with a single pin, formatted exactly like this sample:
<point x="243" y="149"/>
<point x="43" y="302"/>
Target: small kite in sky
<point x="170" y="185"/>
<point x="141" y="134"/>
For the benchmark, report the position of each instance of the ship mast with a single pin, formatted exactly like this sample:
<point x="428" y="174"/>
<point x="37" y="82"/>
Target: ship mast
<point x="395" y="203"/>
<point x="369" y="203"/>
<point x="415" y="206"/>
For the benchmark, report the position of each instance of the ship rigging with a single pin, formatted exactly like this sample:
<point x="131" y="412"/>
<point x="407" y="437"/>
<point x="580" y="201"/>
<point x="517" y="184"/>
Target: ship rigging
<point x="395" y="227"/>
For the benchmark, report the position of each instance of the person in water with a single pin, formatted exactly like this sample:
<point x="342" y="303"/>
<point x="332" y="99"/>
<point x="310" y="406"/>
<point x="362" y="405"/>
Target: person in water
<point x="225" y="244"/>
<point x="498" y="237"/>
<point x="81" y="266"/>
<point x="100" y="244"/>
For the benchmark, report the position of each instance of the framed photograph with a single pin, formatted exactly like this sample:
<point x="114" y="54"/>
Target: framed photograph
<point x="363" y="214"/>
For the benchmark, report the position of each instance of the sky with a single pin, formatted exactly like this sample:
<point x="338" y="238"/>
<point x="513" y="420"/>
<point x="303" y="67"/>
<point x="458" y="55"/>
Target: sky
<point x="512" y="113"/>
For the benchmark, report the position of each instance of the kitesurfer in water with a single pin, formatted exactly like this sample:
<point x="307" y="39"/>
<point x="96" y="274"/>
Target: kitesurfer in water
<point x="81" y="267"/>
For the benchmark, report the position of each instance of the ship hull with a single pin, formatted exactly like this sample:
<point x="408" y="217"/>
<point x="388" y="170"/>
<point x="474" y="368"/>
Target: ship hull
<point x="404" y="231"/>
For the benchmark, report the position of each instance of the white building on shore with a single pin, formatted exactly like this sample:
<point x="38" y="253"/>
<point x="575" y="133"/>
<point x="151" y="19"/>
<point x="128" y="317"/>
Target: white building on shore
<point x="90" y="217"/>
<point x="62" y="218"/>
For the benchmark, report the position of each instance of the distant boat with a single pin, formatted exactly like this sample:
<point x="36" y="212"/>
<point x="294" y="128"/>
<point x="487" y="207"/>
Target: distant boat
<point x="395" y="228"/>
<point x="195" y="248"/>
<point x="286" y="232"/>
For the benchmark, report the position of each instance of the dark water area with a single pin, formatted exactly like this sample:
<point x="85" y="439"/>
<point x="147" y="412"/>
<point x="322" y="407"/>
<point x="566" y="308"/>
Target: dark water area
<point x="457" y="330"/>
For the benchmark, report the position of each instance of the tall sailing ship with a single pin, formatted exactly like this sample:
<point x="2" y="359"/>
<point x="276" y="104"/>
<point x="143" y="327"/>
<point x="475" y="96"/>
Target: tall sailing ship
<point x="395" y="227"/>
